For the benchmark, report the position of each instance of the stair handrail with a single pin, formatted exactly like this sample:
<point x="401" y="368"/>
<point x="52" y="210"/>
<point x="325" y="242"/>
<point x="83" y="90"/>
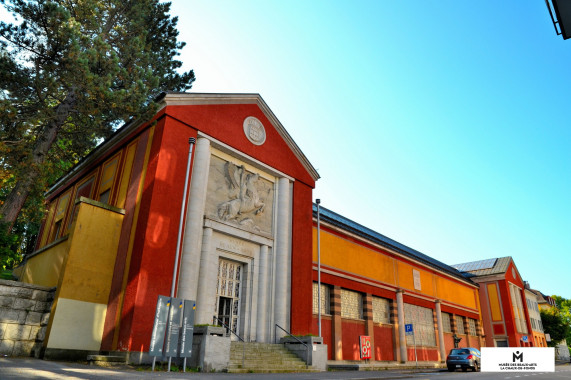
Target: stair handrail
<point x="294" y="337"/>
<point x="237" y="336"/>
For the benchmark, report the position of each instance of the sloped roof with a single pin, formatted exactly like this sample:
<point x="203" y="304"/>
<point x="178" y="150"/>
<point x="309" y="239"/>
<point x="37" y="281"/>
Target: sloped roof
<point x="484" y="267"/>
<point x="348" y="225"/>
<point x="181" y="98"/>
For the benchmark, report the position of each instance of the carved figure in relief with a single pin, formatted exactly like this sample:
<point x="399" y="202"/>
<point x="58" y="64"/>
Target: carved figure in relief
<point x="243" y="194"/>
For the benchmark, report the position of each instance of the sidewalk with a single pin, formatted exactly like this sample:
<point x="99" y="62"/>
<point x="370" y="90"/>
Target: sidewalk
<point x="342" y="365"/>
<point x="30" y="368"/>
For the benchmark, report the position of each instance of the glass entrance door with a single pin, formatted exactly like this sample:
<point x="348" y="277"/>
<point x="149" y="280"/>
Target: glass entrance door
<point x="228" y="291"/>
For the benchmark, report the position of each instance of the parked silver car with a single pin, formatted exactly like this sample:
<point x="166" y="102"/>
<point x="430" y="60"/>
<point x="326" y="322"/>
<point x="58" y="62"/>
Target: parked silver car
<point x="464" y="358"/>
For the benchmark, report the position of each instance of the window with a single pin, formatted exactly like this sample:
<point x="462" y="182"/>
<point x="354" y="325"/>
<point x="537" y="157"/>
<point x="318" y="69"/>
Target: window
<point x="84" y="189"/>
<point x="107" y="178"/>
<point x="446" y="323"/>
<point x="423" y="325"/>
<point x="472" y="326"/>
<point x="104" y="197"/>
<point x="381" y="310"/>
<point x="351" y="304"/>
<point x="60" y="213"/>
<point x="460" y="324"/>
<point x="517" y="306"/>
<point x="325" y="304"/>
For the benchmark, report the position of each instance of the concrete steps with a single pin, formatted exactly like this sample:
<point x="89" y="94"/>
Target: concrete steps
<point x="264" y="358"/>
<point x="115" y="359"/>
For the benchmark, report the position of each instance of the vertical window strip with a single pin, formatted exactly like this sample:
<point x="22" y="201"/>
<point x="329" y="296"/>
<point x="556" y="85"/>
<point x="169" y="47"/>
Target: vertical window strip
<point x="325" y="304"/>
<point x="460" y="324"/>
<point x="381" y="310"/>
<point x="446" y="323"/>
<point x="351" y="304"/>
<point x="472" y="326"/>
<point x="515" y="308"/>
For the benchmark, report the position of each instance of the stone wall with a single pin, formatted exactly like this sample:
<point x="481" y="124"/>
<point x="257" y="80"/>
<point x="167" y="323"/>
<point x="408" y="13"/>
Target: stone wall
<point x="24" y="315"/>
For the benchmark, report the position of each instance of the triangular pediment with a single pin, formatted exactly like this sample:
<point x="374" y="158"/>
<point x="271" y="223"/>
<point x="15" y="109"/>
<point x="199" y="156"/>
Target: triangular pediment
<point x="194" y="99"/>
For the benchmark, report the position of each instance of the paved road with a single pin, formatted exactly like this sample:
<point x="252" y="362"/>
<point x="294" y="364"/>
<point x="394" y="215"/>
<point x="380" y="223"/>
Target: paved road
<point x="27" y="368"/>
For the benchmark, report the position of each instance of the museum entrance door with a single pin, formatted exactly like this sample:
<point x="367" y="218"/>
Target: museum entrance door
<point x="228" y="292"/>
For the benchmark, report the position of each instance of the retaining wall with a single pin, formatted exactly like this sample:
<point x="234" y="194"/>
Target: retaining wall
<point x="24" y="316"/>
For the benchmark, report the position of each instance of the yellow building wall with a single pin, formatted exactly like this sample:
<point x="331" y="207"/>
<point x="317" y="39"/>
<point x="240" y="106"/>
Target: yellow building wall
<point x="406" y="279"/>
<point x="494" y="300"/>
<point x="92" y="251"/>
<point x="45" y="267"/>
<point x="83" y="289"/>
<point x="345" y="255"/>
<point x="457" y="293"/>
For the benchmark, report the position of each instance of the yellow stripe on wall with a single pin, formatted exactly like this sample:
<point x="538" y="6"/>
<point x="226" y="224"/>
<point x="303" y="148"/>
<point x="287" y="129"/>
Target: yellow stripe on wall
<point x="347" y="256"/>
<point x="494" y="302"/>
<point x="126" y="174"/>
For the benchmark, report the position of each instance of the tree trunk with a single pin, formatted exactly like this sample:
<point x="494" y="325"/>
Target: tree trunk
<point x="17" y="197"/>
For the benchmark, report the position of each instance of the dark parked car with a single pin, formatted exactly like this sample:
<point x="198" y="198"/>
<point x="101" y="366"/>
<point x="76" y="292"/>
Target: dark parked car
<point x="464" y="358"/>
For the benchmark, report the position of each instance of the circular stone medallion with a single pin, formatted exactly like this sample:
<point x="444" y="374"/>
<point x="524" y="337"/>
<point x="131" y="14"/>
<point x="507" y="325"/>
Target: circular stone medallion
<point x="254" y="130"/>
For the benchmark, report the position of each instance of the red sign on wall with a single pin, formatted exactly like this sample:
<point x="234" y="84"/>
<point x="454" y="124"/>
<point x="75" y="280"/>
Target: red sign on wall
<point x="365" y="344"/>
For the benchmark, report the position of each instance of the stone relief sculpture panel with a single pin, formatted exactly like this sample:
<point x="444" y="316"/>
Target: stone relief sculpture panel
<point x="239" y="197"/>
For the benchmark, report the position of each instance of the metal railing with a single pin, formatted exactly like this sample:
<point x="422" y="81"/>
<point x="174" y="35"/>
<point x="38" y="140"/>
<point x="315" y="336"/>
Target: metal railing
<point x="215" y="319"/>
<point x="289" y="334"/>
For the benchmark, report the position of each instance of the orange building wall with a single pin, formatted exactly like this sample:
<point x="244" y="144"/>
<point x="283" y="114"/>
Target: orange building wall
<point x="348" y="256"/>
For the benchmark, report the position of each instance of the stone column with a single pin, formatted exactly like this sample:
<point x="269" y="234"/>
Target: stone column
<point x="263" y="286"/>
<point x="192" y="240"/>
<point x="337" y="338"/>
<point x="440" y="332"/>
<point x="369" y="324"/>
<point x="395" y="333"/>
<point x="206" y="281"/>
<point x="402" y="336"/>
<point x="282" y="254"/>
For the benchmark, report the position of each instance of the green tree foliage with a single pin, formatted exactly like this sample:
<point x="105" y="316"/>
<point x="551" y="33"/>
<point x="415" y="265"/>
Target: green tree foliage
<point x="555" y="325"/>
<point x="564" y="306"/>
<point x="71" y="71"/>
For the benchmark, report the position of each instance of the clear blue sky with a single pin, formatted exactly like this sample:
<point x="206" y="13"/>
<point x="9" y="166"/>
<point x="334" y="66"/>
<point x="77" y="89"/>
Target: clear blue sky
<point x="444" y="125"/>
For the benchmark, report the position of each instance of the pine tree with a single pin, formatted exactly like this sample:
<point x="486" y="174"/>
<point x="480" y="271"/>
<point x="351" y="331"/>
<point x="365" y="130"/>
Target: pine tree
<point x="71" y="71"/>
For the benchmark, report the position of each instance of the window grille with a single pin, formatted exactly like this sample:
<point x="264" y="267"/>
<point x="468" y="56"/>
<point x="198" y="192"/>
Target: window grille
<point x="381" y="310"/>
<point x="460" y="324"/>
<point x="423" y="325"/>
<point x="325" y="304"/>
<point x="472" y="326"/>
<point x="351" y="304"/>
<point x="446" y="323"/>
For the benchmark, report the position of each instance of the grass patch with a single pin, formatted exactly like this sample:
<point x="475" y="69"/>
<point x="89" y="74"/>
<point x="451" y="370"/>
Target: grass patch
<point x="6" y="274"/>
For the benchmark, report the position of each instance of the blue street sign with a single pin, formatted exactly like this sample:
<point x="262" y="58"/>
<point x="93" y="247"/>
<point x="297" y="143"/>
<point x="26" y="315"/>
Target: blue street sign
<point x="524" y="338"/>
<point x="408" y="329"/>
